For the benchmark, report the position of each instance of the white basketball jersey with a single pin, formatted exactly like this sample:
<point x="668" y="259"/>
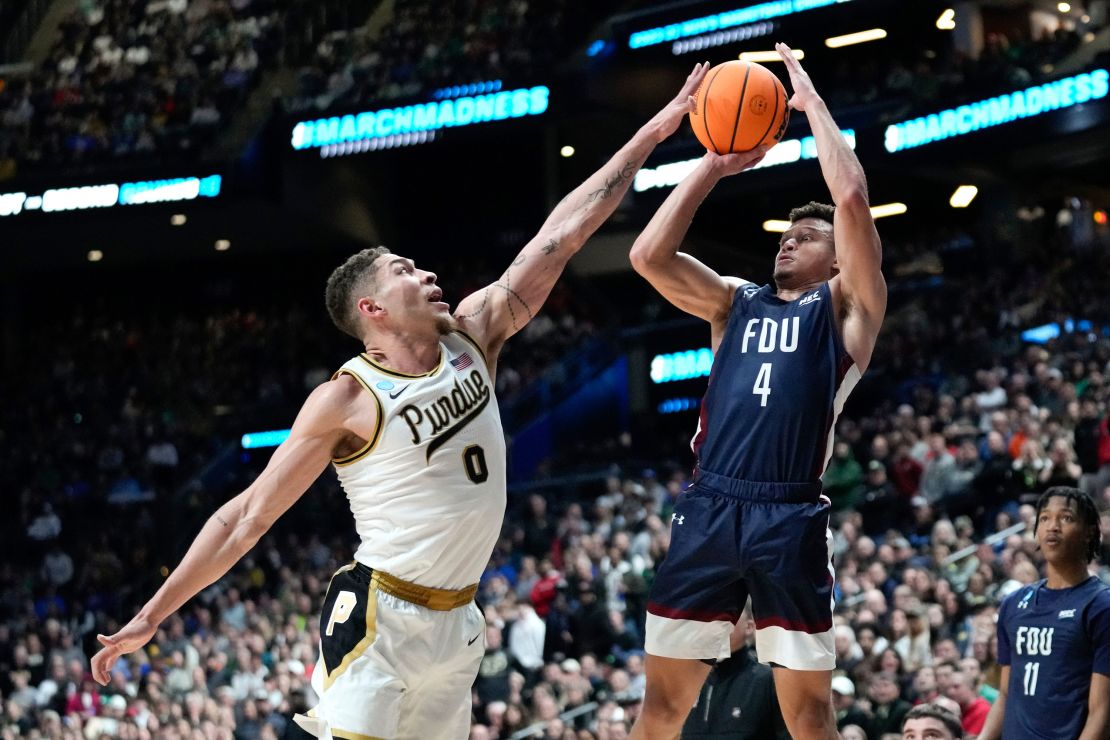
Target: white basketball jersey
<point x="428" y="489"/>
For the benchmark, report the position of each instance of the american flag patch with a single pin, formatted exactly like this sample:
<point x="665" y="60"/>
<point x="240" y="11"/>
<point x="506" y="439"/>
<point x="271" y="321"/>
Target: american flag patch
<point x="462" y="362"/>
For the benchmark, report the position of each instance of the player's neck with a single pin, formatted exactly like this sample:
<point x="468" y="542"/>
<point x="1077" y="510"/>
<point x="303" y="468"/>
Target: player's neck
<point x="405" y="353"/>
<point x="1065" y="575"/>
<point x="793" y="292"/>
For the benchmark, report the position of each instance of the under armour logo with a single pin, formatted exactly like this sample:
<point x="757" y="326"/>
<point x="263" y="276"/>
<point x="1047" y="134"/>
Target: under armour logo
<point x="1024" y="603"/>
<point x="676" y="519"/>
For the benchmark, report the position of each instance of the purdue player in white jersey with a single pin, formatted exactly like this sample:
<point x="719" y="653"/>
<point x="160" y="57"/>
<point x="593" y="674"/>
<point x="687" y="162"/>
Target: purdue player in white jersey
<point x="413" y="430"/>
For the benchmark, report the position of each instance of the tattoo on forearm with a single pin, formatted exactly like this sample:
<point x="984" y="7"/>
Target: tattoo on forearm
<point x="550" y="247"/>
<point x="221" y="520"/>
<point x="622" y="176"/>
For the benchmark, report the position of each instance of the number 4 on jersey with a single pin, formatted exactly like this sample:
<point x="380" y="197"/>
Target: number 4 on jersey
<point x="762" y="385"/>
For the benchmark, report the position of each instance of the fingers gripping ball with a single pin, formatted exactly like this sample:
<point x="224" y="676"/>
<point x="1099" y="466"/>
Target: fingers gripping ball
<point x="739" y="106"/>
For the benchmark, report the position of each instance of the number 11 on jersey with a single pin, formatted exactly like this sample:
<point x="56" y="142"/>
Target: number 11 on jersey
<point x="762" y="385"/>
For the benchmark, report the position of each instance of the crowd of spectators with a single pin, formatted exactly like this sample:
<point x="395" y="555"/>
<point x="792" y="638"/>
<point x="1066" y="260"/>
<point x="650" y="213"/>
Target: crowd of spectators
<point x="149" y="79"/>
<point x="956" y="449"/>
<point x="426" y="45"/>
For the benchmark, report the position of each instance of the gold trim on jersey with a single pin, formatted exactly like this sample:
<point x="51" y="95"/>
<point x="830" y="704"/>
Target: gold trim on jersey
<point x="347" y="735"/>
<point x="473" y="341"/>
<point x="397" y="374"/>
<point x="437" y="599"/>
<point x="370" y="445"/>
<point x="365" y="642"/>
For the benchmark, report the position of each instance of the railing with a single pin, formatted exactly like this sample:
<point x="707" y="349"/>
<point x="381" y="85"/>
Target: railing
<point x="531" y="730"/>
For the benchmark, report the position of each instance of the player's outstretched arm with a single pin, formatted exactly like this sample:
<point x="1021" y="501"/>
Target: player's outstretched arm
<point x="680" y="278"/>
<point x="992" y="728"/>
<point x="501" y="309"/>
<point x="1098" y="709"/>
<point x="859" y="253"/>
<point x="237" y="525"/>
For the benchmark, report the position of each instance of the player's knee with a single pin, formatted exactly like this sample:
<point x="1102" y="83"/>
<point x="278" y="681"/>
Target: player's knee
<point x="811" y="719"/>
<point x="665" y="708"/>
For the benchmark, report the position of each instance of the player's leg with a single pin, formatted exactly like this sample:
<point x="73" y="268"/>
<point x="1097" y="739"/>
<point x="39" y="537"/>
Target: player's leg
<point x="791" y="582"/>
<point x="672" y="690"/>
<point x="438" y="703"/>
<point x="805" y="698"/>
<point x="696" y="598"/>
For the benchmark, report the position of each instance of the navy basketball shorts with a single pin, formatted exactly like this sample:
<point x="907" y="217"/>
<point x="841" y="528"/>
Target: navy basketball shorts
<point x="731" y="539"/>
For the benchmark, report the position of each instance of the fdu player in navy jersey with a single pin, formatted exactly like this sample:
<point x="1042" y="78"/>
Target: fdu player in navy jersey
<point x="1054" y="635"/>
<point x="754" y="521"/>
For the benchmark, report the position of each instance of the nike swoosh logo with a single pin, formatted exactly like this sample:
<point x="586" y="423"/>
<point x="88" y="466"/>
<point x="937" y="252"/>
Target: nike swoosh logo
<point x="398" y="393"/>
<point x="472" y="640"/>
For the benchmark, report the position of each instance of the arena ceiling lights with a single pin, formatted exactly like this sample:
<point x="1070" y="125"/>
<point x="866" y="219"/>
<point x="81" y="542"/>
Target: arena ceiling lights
<point x="762" y="57"/>
<point x="859" y="37"/>
<point x="947" y="20"/>
<point x="882" y="211"/>
<point x="963" y="196"/>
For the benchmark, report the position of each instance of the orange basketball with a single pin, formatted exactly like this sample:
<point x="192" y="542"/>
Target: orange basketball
<point x="739" y="106"/>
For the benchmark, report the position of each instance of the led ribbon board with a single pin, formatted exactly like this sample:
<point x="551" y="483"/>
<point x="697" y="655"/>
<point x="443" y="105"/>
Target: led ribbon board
<point x="1003" y="109"/>
<point x="112" y="194"/>
<point x="256" y="440"/>
<point x="785" y="152"/>
<point x="412" y="120"/>
<point x="721" y="21"/>
<point x="674" y="366"/>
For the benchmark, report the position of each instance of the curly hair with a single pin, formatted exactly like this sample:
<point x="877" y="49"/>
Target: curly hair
<point x="813" y="209"/>
<point x="1087" y="512"/>
<point x="357" y="274"/>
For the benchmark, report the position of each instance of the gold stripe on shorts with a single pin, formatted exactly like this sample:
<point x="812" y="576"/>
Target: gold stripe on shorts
<point x="346" y="735"/>
<point x="437" y="599"/>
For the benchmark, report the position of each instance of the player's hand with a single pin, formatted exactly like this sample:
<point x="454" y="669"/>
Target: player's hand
<point x="667" y="121"/>
<point x="731" y="164"/>
<point x="133" y="636"/>
<point x="804" y="92"/>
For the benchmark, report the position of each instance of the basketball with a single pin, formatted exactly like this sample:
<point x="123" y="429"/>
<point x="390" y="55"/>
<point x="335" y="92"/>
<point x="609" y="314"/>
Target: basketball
<point x="739" y="106"/>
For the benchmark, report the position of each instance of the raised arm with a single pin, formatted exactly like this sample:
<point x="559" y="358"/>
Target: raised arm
<point x="859" y="253"/>
<point x="237" y="525"/>
<point x="501" y="309"/>
<point x="681" y="279"/>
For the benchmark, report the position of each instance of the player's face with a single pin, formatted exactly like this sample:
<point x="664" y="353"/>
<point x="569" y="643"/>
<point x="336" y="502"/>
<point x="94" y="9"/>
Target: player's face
<point x="1060" y="530"/>
<point x="409" y="293"/>
<point x="806" y="253"/>
<point x="925" y="728"/>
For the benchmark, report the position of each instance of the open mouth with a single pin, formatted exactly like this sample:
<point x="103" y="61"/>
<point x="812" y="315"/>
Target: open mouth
<point x="436" y="296"/>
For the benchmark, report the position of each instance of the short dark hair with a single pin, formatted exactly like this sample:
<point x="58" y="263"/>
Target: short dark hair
<point x="813" y="209"/>
<point x="936" y="712"/>
<point x="1087" y="512"/>
<point x="354" y="274"/>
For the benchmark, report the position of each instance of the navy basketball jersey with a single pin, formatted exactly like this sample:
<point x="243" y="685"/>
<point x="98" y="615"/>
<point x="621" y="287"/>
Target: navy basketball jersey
<point x="1053" y="640"/>
<point x="779" y="380"/>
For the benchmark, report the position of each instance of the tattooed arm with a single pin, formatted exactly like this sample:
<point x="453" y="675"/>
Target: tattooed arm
<point x="502" y="308"/>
